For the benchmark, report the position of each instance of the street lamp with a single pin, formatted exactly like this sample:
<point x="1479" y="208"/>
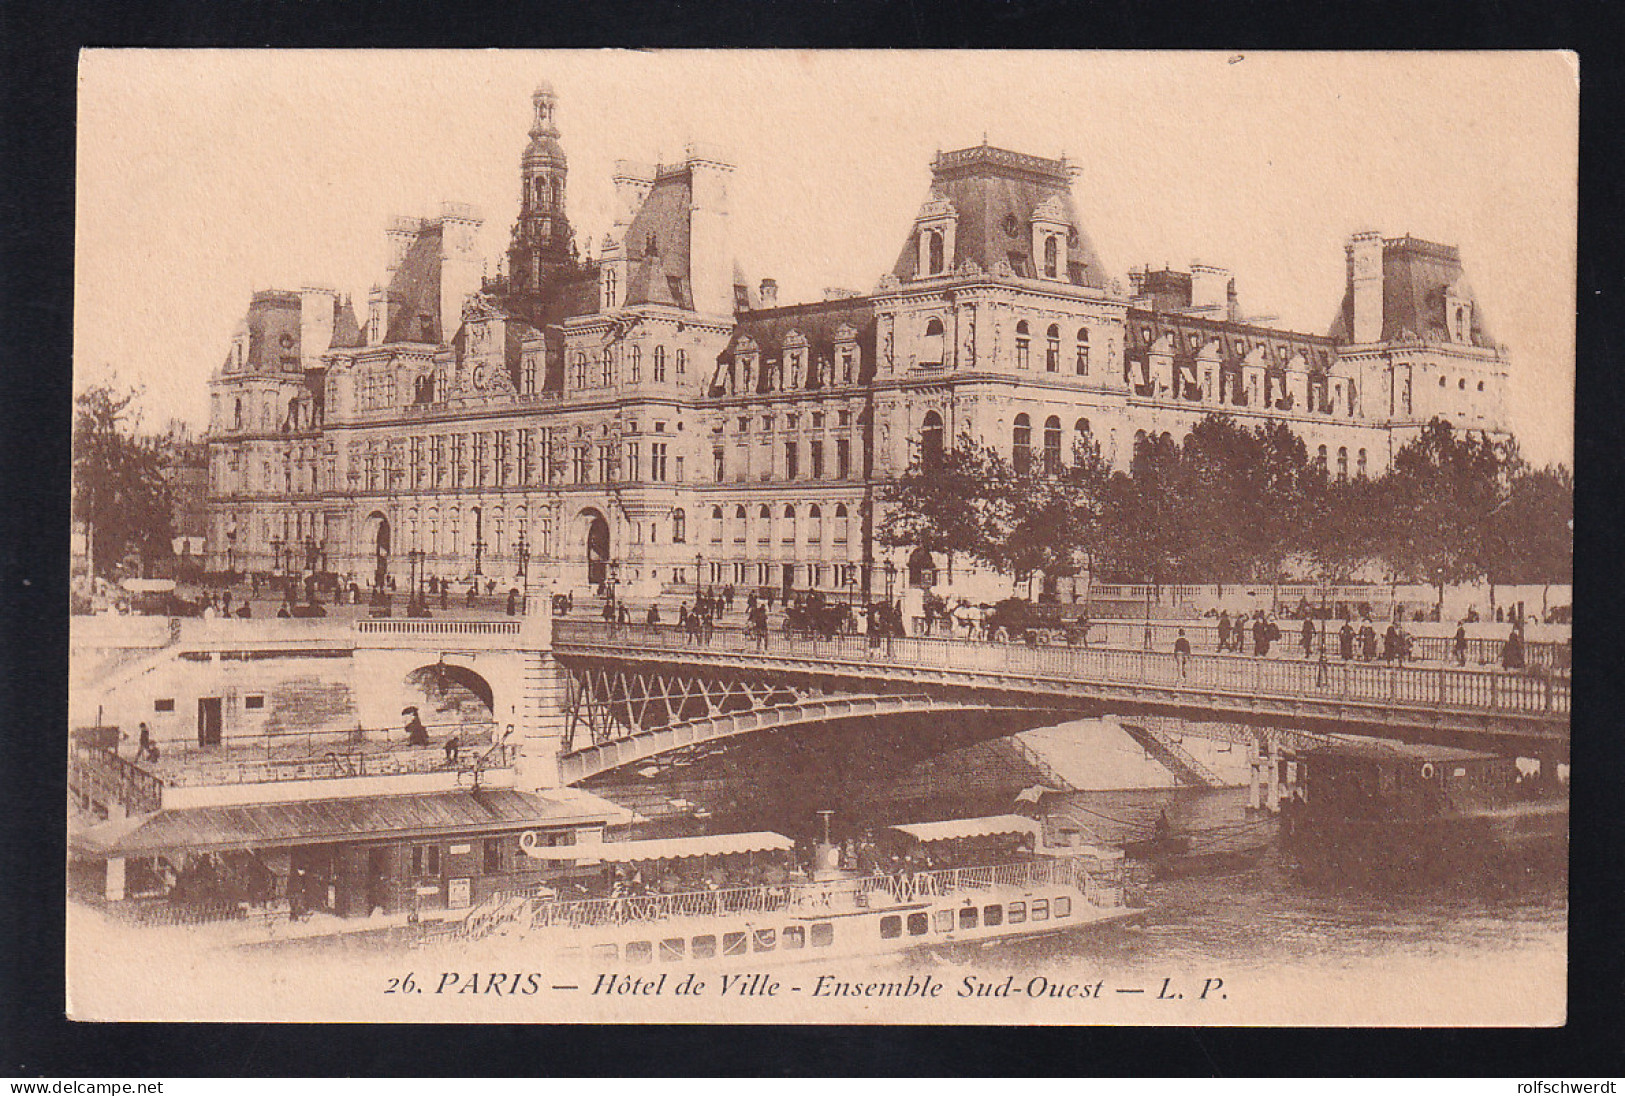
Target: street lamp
<point x="415" y="604"/>
<point x="891" y="576"/>
<point x="699" y="562"/>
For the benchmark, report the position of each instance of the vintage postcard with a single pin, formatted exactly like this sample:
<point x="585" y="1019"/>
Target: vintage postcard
<point x="689" y="537"/>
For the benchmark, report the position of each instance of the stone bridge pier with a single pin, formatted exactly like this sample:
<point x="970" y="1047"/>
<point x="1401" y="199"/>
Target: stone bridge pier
<point x="511" y="658"/>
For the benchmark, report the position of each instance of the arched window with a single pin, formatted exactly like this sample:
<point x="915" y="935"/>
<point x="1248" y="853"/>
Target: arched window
<point x="1021" y="444"/>
<point x="1052" y="257"/>
<point x="765" y="517"/>
<point x="788" y="533"/>
<point x="1320" y="457"/>
<point x="660" y="364"/>
<point x="580" y="379"/>
<point x="237" y="417"/>
<point x="1052" y="445"/>
<point x="934" y="253"/>
<point x="682" y="362"/>
<point x="1081" y="363"/>
<point x="679" y="527"/>
<point x="635" y="367"/>
<point x="716" y="525"/>
<point x="1022" y="345"/>
<point x="1052" y="348"/>
<point x="1342" y="463"/>
<point x="931" y="440"/>
<point x="742" y="521"/>
<point x="841" y="521"/>
<point x="1359" y="464"/>
<point x="1139" y="443"/>
<point x="607" y="365"/>
<point x="1081" y="437"/>
<point x="815" y="524"/>
<point x="931" y="345"/>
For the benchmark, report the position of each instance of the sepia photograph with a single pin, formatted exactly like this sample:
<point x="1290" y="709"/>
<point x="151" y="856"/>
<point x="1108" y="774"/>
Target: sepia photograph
<point x="694" y="537"/>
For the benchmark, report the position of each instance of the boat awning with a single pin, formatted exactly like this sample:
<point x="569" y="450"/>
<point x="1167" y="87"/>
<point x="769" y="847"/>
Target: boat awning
<point x="955" y="829"/>
<point x="320" y="821"/>
<point x="671" y="848"/>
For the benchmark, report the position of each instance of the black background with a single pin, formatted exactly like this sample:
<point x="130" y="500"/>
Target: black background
<point x="40" y="43"/>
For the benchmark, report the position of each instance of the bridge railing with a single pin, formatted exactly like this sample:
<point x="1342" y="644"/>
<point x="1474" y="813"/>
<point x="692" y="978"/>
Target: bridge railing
<point x="1537" y="692"/>
<point x="438" y="627"/>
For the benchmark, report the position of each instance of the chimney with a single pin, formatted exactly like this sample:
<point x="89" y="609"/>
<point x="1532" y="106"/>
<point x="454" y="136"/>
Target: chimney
<point x="769" y="293"/>
<point x="317" y="307"/>
<point x="1365" y="286"/>
<point x="1210" y="288"/>
<point x="632" y="183"/>
<point x="401" y="232"/>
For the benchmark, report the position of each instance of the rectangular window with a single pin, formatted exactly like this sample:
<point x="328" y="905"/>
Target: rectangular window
<point x="816" y="459"/>
<point x="704" y="947"/>
<point x="1041" y="909"/>
<point x="679" y="476"/>
<point x="719" y="464"/>
<point x="764" y="940"/>
<point x="843" y="459"/>
<point x="742" y="463"/>
<point x="1063" y="907"/>
<point x="672" y="950"/>
<point x="632" y="461"/>
<point x="1018" y="913"/>
<point x="992" y="916"/>
<point x="165" y="705"/>
<point x="823" y="934"/>
<point x="791" y="460"/>
<point x="605" y="951"/>
<point x="967" y="917"/>
<point x="657" y="461"/>
<point x="426" y="861"/>
<point x="944" y="920"/>
<point x="793" y="937"/>
<point x="918" y="924"/>
<point x="493" y="855"/>
<point x="639" y="951"/>
<point x="682" y="362"/>
<point x="733" y="943"/>
<point x="253" y="701"/>
<point x="891" y="927"/>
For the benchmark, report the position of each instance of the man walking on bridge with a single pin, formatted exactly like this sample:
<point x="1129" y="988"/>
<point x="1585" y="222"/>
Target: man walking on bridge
<point x="1182" y="652"/>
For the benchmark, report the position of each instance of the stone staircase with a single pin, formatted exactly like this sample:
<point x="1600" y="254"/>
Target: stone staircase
<point x="1162" y="747"/>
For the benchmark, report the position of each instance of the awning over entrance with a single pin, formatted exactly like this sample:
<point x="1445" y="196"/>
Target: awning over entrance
<point x="320" y="821"/>
<point x="956" y="829"/>
<point x="672" y="848"/>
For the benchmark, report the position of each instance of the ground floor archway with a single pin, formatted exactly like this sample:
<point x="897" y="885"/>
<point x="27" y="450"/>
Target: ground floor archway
<point x="597" y="548"/>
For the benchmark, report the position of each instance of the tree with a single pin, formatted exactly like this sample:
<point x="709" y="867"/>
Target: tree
<point x="948" y="504"/>
<point x="1532" y="534"/>
<point x="1439" y="500"/>
<point x="119" y="487"/>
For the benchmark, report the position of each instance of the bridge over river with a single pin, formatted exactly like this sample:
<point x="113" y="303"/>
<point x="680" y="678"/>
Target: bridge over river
<point x="638" y="692"/>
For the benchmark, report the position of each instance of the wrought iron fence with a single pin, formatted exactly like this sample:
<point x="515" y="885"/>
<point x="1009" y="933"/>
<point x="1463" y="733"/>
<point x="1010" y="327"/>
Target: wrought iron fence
<point x="1537" y="690"/>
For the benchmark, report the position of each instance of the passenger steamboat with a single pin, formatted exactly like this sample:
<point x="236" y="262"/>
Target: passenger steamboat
<point x="831" y="913"/>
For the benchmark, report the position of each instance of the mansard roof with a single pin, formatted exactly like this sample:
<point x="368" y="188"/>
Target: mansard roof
<point x="346" y="329"/>
<point x="822" y="324"/>
<point x="273" y="333"/>
<point x="414" y="288"/>
<point x="1188" y="335"/>
<point x="995" y="193"/>
<point x="1417" y="276"/>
